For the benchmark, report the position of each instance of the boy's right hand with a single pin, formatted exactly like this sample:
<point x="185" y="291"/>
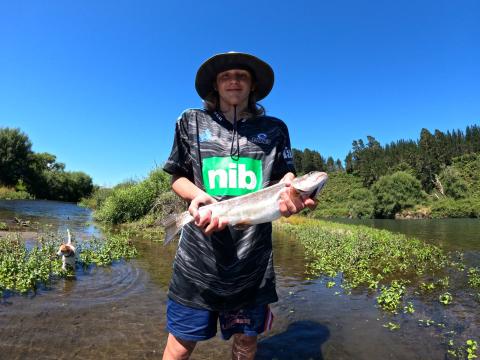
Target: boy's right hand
<point x="205" y="221"/>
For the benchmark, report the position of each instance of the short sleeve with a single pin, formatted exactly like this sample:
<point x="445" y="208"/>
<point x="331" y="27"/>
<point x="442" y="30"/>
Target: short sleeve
<point x="284" y="157"/>
<point x="180" y="161"/>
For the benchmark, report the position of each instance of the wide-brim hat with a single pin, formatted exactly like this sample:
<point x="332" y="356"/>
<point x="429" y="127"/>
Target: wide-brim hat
<point x="260" y="70"/>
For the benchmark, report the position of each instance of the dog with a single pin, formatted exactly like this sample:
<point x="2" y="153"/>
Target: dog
<point x="68" y="254"/>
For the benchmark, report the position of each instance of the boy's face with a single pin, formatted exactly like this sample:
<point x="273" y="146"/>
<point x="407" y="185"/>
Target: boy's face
<point x="234" y="87"/>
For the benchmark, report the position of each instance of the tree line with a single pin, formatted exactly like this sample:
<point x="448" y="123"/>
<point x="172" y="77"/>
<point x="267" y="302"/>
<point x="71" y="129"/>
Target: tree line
<point x="40" y="174"/>
<point x="424" y="158"/>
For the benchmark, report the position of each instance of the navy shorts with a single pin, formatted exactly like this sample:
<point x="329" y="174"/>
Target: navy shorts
<point x="192" y="324"/>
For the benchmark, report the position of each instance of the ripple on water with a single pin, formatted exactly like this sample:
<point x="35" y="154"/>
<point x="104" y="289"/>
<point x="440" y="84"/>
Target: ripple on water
<point x="98" y="285"/>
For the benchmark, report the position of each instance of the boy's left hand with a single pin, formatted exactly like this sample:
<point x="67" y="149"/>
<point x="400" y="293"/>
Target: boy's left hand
<point x="291" y="202"/>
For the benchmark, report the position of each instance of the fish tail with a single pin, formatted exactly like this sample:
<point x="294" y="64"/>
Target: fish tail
<point x="173" y="224"/>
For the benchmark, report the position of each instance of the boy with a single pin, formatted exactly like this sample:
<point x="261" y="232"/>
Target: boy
<point x="230" y="148"/>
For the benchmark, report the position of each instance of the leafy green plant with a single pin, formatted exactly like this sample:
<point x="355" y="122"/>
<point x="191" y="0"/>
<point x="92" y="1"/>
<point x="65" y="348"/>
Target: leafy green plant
<point x="471" y="347"/>
<point x="445" y="298"/>
<point x="409" y="308"/>
<point x="390" y="297"/>
<point x="392" y="326"/>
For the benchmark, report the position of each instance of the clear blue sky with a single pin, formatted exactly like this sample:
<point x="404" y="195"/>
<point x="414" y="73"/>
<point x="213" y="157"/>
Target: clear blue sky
<point x="100" y="84"/>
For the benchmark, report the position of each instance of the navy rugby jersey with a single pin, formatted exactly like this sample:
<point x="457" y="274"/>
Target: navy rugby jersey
<point x="232" y="268"/>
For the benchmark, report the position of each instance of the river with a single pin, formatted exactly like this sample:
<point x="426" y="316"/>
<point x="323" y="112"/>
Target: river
<point x="118" y="312"/>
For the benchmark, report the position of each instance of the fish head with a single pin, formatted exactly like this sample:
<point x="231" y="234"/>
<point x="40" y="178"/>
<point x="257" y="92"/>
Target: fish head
<point x="310" y="184"/>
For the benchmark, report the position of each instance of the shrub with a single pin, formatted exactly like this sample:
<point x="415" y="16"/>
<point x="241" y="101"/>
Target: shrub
<point x="395" y="192"/>
<point x="453" y="184"/>
<point x="10" y="194"/>
<point x="132" y="202"/>
<point x="97" y="198"/>
<point x="361" y="204"/>
<point x="335" y="197"/>
<point x="464" y="208"/>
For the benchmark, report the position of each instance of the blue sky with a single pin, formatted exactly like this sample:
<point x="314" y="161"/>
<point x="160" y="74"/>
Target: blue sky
<point x="100" y="84"/>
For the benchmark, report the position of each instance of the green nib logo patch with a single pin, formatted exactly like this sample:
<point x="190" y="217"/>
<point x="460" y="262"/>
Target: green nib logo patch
<point x="225" y="176"/>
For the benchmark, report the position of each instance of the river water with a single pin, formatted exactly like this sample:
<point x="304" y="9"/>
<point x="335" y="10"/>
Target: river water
<point x="118" y="312"/>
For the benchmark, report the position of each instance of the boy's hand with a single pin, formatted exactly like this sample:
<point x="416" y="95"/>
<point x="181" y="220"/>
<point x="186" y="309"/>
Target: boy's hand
<point x="291" y="202"/>
<point x="205" y="221"/>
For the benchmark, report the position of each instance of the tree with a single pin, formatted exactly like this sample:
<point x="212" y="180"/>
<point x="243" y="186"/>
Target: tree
<point x="15" y="155"/>
<point x="330" y="164"/>
<point x="308" y="161"/>
<point x="298" y="160"/>
<point x="396" y="192"/>
<point x="339" y="165"/>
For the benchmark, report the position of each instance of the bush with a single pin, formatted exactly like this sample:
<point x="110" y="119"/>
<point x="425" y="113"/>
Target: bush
<point x="464" y="208"/>
<point x="132" y="202"/>
<point x="97" y="198"/>
<point x="393" y="193"/>
<point x="361" y="204"/>
<point x="453" y="184"/>
<point x="335" y="198"/>
<point x="11" y="194"/>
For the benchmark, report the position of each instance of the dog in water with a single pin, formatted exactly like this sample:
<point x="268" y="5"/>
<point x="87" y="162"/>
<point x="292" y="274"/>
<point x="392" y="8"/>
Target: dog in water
<point x="68" y="254"/>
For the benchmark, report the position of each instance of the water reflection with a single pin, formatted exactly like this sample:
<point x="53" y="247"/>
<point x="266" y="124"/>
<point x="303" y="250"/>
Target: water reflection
<point x="451" y="234"/>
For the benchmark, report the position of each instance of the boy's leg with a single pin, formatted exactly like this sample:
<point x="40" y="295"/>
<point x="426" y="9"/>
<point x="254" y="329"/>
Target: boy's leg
<point x="244" y="347"/>
<point x="178" y="349"/>
<point x="244" y="325"/>
<point x="186" y="326"/>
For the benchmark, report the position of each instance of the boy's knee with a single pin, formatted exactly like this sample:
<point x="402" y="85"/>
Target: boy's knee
<point x="178" y="349"/>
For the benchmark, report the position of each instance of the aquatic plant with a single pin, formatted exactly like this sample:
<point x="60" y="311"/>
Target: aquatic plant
<point x="24" y="269"/>
<point x="3" y="226"/>
<point x="471" y="347"/>
<point x="392" y="326"/>
<point x="409" y="308"/>
<point x="445" y="298"/>
<point x="391" y="296"/>
<point x="362" y="255"/>
<point x="474" y="277"/>
<point x="104" y="252"/>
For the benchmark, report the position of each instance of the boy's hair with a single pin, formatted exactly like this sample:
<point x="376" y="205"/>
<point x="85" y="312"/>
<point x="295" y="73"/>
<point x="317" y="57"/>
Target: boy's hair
<point x="212" y="103"/>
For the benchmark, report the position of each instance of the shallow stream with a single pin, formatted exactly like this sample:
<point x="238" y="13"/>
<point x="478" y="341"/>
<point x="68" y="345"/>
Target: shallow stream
<point x="118" y="312"/>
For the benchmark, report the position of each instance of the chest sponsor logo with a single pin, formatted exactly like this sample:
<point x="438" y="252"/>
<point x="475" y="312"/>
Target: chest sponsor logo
<point x="261" y="138"/>
<point x="225" y="176"/>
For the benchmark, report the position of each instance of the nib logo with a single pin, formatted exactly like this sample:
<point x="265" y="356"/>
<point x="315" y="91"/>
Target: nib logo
<point x="224" y="176"/>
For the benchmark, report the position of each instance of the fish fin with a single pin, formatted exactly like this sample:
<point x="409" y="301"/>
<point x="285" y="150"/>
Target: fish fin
<point x="242" y="226"/>
<point x="173" y="224"/>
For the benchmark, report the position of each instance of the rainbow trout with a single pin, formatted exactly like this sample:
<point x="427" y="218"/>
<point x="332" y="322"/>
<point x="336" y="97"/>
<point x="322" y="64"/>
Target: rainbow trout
<point x="254" y="208"/>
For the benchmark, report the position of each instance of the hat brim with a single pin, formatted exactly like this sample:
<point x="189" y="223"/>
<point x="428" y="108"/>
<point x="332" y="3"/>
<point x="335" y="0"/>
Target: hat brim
<point x="207" y="73"/>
